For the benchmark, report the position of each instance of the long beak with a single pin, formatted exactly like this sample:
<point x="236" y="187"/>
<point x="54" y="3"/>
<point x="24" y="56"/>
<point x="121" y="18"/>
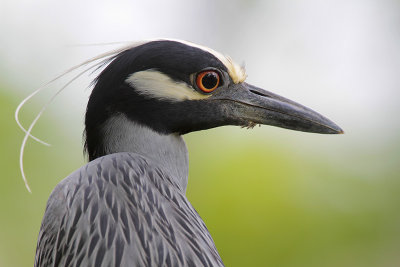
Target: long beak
<point x="253" y="105"/>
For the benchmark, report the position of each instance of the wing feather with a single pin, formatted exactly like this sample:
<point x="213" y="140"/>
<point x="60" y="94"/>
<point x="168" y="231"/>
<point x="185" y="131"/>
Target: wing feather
<point x="122" y="210"/>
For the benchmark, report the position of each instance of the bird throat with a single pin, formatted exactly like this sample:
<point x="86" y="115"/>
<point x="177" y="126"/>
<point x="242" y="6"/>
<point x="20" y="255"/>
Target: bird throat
<point x="168" y="151"/>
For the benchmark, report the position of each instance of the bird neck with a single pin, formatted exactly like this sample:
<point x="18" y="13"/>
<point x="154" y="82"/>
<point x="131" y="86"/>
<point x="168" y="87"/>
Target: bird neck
<point x="167" y="150"/>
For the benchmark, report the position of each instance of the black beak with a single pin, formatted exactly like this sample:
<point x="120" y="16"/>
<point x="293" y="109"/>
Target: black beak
<point x="248" y="105"/>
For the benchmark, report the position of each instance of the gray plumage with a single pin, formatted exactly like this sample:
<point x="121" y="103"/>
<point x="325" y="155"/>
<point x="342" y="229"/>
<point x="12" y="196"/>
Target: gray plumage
<point x="127" y="206"/>
<point x="123" y="210"/>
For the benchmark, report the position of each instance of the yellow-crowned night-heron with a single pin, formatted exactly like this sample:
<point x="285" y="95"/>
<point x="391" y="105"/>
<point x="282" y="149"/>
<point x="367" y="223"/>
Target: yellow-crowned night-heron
<point x="127" y="206"/>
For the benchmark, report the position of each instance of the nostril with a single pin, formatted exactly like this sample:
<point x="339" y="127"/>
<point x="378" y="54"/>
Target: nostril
<point x="259" y="93"/>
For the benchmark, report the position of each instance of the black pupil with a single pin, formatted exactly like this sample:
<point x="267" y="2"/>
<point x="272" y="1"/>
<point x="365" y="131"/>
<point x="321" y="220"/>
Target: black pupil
<point x="210" y="80"/>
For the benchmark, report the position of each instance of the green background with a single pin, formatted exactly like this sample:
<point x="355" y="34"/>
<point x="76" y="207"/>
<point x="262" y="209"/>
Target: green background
<point x="269" y="196"/>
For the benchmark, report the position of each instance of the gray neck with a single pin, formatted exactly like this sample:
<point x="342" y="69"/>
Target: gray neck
<point x="168" y="151"/>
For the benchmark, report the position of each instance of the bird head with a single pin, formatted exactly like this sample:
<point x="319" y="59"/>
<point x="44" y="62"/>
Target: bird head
<point x="179" y="87"/>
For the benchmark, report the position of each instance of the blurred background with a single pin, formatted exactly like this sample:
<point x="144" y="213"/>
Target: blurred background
<point x="270" y="197"/>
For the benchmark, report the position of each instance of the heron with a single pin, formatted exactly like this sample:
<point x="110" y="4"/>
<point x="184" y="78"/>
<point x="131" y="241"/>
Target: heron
<point x="127" y="206"/>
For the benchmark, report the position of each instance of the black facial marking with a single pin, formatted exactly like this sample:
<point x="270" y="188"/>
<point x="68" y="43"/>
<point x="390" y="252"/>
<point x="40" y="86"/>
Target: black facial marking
<point x="173" y="58"/>
<point x="112" y="95"/>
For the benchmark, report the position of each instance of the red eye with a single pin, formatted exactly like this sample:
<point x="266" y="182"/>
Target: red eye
<point x="207" y="81"/>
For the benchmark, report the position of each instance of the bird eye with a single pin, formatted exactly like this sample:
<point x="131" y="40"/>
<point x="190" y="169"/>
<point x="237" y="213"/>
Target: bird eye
<point x="207" y="81"/>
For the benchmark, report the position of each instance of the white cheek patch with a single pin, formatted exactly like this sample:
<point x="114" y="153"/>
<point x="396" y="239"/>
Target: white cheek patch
<point x="155" y="84"/>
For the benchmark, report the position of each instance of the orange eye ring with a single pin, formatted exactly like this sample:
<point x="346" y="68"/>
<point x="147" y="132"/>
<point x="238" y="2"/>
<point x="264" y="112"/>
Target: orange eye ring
<point x="207" y="81"/>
